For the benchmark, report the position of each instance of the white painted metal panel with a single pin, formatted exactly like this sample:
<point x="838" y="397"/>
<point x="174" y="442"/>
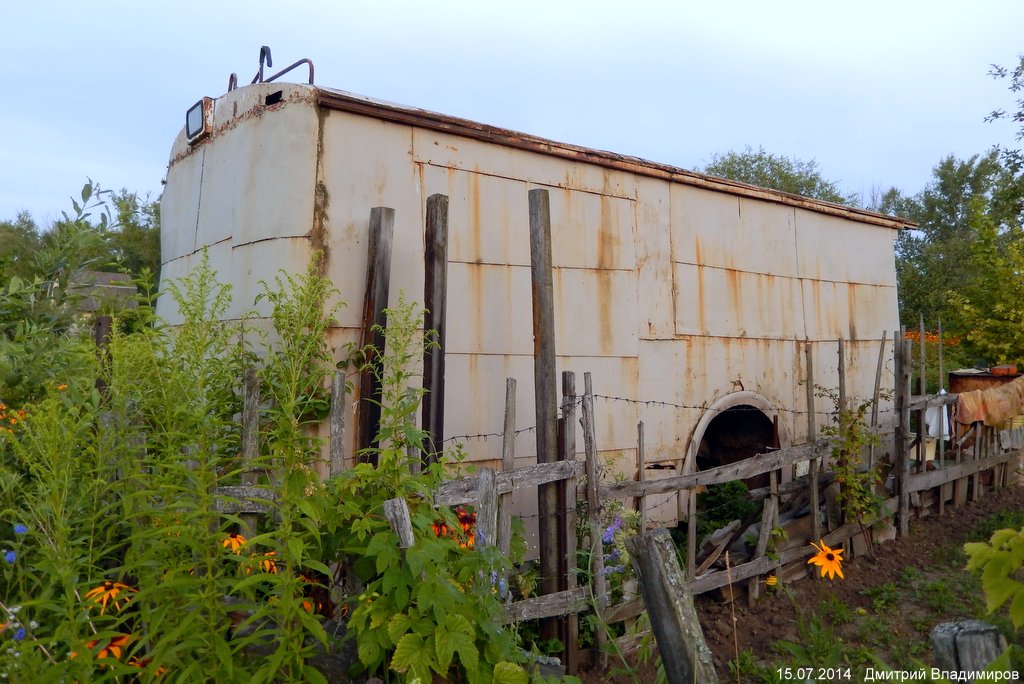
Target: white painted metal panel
<point x="589" y="230"/>
<point x="488" y="216"/>
<point x="726" y="231"/>
<point x="726" y="303"/>
<point x="836" y="309"/>
<point x="595" y="313"/>
<point x="451" y="151"/>
<point x="833" y="249"/>
<point x="653" y="248"/>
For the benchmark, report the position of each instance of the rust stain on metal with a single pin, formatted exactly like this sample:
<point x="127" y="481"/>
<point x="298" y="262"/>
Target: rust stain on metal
<point x="318" y="235"/>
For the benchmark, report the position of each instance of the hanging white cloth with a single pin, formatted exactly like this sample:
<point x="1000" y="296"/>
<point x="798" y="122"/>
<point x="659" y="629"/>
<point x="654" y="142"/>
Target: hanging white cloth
<point x="936" y="419"/>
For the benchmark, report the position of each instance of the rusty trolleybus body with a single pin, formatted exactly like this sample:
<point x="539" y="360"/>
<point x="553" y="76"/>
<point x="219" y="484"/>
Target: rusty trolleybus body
<point x="690" y="299"/>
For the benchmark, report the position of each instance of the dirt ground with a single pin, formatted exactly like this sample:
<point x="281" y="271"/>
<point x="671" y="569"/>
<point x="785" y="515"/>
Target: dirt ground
<point x="886" y="605"/>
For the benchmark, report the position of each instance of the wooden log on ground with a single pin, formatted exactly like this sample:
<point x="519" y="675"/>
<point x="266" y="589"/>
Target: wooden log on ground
<point x="684" y="652"/>
<point x="966" y="646"/>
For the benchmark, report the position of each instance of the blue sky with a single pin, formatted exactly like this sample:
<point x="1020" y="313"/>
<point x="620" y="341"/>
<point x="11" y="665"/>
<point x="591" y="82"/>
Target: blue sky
<point x="876" y="92"/>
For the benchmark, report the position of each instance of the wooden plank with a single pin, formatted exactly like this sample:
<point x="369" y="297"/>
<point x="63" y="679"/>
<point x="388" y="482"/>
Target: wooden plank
<point x="934" y="478"/>
<point x="337" y="424"/>
<point x="768" y="515"/>
<point x="435" y="295"/>
<point x="677" y="630"/>
<point x="594" y="515"/>
<point x="760" y="566"/>
<point x="624" y="611"/>
<point x="762" y="463"/>
<point x="508" y="464"/>
<point x="550" y="605"/>
<point x="397" y="513"/>
<point x="918" y="403"/>
<point x="463" y="490"/>
<point x="374" y="322"/>
<point x="244" y="499"/>
<point x="544" y="382"/>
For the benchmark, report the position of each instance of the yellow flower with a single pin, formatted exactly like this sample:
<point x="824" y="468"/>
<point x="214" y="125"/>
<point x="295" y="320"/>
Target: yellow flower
<point x="771" y="580"/>
<point x="108" y="592"/>
<point x="265" y="562"/>
<point x="829" y="560"/>
<point x="235" y="542"/>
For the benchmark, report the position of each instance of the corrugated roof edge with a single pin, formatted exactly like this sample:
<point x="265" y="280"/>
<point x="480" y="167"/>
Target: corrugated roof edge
<point x="358" y="104"/>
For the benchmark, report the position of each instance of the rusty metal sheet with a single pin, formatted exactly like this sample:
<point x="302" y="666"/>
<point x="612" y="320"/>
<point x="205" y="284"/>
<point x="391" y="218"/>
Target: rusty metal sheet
<point x="488" y="216"/>
<point x="590" y="230"/>
<point x="728" y="303"/>
<point x="653" y="249"/>
<point x="456" y="152"/>
<point x="836" y="309"/>
<point x="833" y="249"/>
<point x="364" y="163"/>
<point x="730" y="232"/>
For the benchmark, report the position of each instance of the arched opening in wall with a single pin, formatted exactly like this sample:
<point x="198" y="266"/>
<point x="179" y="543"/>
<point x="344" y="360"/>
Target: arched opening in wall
<point x="736" y="434"/>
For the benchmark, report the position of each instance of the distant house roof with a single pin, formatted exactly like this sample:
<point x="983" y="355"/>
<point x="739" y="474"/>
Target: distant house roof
<point x="95" y="290"/>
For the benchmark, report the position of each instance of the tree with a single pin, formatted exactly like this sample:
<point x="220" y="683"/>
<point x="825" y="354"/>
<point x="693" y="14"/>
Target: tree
<point x="780" y="173"/>
<point x="20" y="239"/>
<point x="1013" y="158"/>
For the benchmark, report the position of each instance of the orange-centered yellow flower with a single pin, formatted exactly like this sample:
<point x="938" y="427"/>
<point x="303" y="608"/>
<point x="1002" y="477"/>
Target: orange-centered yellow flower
<point x="109" y="592"/>
<point x="829" y="560"/>
<point x="235" y="542"/>
<point x="771" y="580"/>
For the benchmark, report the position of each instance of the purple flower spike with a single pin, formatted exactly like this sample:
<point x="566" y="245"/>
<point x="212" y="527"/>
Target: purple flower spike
<point x="20" y="529"/>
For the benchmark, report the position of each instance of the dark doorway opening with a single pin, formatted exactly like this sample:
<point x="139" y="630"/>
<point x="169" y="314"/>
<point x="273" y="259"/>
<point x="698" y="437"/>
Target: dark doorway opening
<point x="736" y="434"/>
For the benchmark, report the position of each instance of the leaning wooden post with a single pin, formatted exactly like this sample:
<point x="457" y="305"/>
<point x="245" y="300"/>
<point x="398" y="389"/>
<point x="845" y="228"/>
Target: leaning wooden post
<point x="903" y="390"/>
<point x="669" y="603"/>
<point x="546" y="400"/>
<point x="594" y="516"/>
<point x="435" y="289"/>
<point x="812" y="434"/>
<point x="876" y="397"/>
<point x="250" y="441"/>
<point x="375" y="320"/>
<point x="508" y="463"/>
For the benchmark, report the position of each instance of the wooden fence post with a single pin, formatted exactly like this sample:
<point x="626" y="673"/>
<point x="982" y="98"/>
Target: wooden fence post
<point x="337" y="424"/>
<point x="397" y="513"/>
<point x="812" y="433"/>
<point x="594" y="515"/>
<point x="508" y="463"/>
<point x="641" y="475"/>
<point x="487" y="513"/>
<point x="435" y="291"/>
<point x="669" y="602"/>
<point x="375" y="301"/>
<point x="876" y="396"/>
<point x="902" y="461"/>
<point x="567" y="522"/>
<point x="545" y="393"/>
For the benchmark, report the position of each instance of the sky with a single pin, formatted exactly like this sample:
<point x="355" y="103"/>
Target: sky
<point x="877" y="92"/>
